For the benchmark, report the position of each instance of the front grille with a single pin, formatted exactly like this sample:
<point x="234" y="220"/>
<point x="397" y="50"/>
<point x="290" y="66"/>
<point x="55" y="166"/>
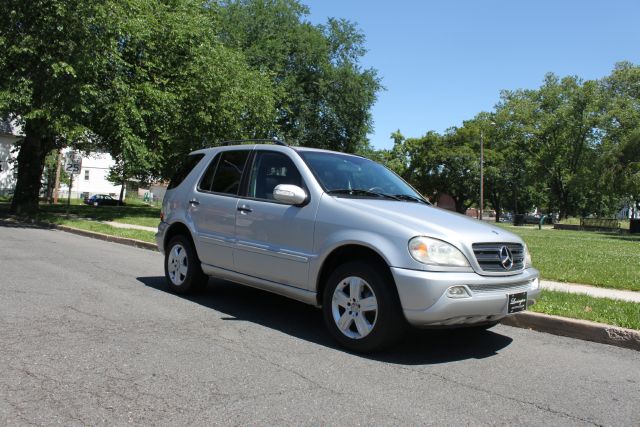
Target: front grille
<point x="509" y="288"/>
<point x="489" y="257"/>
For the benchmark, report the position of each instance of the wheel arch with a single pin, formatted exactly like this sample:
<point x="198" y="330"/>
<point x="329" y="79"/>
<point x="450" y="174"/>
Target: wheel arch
<point x="175" y="229"/>
<point x="347" y="253"/>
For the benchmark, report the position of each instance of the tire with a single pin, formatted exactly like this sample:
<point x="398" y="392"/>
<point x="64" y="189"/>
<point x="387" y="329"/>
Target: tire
<point x="182" y="267"/>
<point x="96" y="204"/>
<point x="361" y="308"/>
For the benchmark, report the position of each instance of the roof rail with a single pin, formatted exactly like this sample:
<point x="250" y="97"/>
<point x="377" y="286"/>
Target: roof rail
<point x="258" y="141"/>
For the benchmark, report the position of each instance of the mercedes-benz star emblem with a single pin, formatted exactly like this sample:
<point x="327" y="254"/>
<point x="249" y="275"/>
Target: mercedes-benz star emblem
<point x="506" y="258"/>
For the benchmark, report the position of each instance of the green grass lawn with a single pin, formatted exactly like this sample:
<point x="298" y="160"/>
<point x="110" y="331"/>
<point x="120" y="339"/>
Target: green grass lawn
<point x="138" y="214"/>
<point x="602" y="259"/>
<point x="578" y="306"/>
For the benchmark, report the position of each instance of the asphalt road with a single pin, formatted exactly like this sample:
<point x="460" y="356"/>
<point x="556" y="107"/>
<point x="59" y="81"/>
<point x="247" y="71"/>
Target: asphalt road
<point x="89" y="336"/>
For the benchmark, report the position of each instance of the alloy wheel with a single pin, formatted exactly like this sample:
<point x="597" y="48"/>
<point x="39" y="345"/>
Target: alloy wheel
<point x="177" y="265"/>
<point x="354" y="307"/>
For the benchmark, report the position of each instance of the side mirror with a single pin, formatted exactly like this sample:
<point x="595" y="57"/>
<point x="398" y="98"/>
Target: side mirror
<point x="289" y="194"/>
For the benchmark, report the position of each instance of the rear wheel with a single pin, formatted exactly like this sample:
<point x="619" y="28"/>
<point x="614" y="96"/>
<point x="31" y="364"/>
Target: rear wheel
<point x="181" y="266"/>
<point x="361" y="309"/>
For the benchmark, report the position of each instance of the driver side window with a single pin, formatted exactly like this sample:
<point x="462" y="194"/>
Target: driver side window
<point x="269" y="170"/>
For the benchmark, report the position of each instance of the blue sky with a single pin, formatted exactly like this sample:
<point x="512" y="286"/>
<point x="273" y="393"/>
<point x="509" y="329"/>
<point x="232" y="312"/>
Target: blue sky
<point x="442" y="62"/>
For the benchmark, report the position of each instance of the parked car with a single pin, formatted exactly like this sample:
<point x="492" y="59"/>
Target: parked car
<point x="102" y="200"/>
<point x="341" y="232"/>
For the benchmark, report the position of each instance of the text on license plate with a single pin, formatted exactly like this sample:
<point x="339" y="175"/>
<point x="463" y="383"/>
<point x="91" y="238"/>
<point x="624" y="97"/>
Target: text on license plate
<point x="517" y="302"/>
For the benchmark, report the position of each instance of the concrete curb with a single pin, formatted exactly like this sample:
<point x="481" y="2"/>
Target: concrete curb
<point x="574" y="328"/>
<point x="122" y="240"/>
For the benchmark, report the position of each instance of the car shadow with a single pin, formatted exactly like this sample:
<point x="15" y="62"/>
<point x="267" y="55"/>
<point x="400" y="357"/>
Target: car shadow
<point x="419" y="347"/>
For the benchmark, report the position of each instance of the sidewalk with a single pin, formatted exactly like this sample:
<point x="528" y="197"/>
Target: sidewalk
<point x="129" y="226"/>
<point x="594" y="291"/>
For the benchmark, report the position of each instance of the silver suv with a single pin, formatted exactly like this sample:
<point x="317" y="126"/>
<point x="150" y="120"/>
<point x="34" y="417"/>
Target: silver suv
<point x="340" y="232"/>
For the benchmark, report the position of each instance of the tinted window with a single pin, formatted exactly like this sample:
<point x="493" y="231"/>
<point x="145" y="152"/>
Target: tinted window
<point x="270" y="170"/>
<point x="207" y="179"/>
<point x="339" y="172"/>
<point x="224" y="172"/>
<point x="184" y="170"/>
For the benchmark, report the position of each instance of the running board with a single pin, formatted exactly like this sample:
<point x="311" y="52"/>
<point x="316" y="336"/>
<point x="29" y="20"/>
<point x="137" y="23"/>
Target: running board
<point x="297" y="294"/>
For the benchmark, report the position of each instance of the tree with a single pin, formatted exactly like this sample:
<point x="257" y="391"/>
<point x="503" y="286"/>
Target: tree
<point x="143" y="79"/>
<point x="48" y="52"/>
<point x="619" y="158"/>
<point x="323" y="96"/>
<point x="556" y="129"/>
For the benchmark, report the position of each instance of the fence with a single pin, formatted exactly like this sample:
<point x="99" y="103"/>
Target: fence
<point x="607" y="223"/>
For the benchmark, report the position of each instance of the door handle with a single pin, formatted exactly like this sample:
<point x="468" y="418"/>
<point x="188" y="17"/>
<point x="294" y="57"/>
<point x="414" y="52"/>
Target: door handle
<point x="194" y="202"/>
<point x="244" y="209"/>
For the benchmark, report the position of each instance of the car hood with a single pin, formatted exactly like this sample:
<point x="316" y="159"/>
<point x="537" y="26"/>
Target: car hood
<point x="427" y="220"/>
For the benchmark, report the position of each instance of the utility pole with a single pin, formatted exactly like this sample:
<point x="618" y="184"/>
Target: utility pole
<point x="481" y="172"/>
<point x="57" y="184"/>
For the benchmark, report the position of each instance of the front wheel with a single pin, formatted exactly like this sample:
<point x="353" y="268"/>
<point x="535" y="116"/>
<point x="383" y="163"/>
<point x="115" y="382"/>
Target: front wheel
<point x="361" y="309"/>
<point x="181" y="266"/>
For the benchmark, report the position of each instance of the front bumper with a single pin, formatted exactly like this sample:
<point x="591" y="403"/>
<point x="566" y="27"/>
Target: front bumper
<point x="425" y="302"/>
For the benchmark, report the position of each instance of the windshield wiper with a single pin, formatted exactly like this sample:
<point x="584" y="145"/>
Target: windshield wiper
<point x="361" y="192"/>
<point x="410" y="198"/>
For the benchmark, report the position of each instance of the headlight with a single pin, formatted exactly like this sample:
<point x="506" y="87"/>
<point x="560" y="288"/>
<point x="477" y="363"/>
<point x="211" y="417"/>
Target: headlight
<point x="436" y="252"/>
<point x="527" y="257"/>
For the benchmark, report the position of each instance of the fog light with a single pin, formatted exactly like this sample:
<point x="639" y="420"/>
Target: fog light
<point x="458" y="292"/>
<point x="535" y="284"/>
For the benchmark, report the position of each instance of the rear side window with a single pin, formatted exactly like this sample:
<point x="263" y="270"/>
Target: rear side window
<point x="225" y="172"/>
<point x="184" y="169"/>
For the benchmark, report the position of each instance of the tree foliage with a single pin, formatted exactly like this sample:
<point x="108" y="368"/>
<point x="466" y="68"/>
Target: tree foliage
<point x="571" y="147"/>
<point x="323" y="97"/>
<point x="149" y="81"/>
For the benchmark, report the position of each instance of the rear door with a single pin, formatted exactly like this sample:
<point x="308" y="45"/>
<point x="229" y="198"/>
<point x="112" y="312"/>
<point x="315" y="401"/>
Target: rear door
<point x="213" y="207"/>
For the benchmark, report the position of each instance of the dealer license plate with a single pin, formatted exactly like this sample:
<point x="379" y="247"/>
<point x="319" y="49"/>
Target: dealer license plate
<point x="517" y="302"/>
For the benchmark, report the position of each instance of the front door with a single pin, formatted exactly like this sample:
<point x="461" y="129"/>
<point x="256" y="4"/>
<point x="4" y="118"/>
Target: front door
<point x="274" y="240"/>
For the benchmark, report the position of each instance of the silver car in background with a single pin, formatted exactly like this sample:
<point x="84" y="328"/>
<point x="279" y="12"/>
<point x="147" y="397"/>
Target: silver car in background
<point x="340" y="232"/>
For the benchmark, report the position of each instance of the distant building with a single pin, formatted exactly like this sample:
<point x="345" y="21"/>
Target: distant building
<point x="10" y="134"/>
<point x="445" y="201"/>
<point x="92" y="178"/>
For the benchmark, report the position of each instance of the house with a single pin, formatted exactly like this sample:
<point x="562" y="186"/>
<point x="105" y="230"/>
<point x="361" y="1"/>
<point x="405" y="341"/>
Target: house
<point x="10" y="134"/>
<point x="92" y="178"/>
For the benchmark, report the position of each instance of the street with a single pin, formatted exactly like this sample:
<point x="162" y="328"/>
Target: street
<point x="89" y="335"/>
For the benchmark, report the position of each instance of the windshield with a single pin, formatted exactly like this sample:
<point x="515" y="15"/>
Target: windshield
<point x="344" y="175"/>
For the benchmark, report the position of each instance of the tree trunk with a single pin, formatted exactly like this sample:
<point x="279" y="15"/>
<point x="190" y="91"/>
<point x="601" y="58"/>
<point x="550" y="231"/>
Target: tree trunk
<point x="33" y="150"/>
<point x="124" y="182"/>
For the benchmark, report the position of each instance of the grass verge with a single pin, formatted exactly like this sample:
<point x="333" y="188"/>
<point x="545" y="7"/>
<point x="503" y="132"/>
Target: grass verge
<point x="607" y="260"/>
<point x="578" y="306"/>
<point x="83" y="224"/>
<point x="130" y="214"/>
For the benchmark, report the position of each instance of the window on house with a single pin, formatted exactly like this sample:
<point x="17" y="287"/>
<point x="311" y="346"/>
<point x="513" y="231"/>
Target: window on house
<point x="86" y="175"/>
